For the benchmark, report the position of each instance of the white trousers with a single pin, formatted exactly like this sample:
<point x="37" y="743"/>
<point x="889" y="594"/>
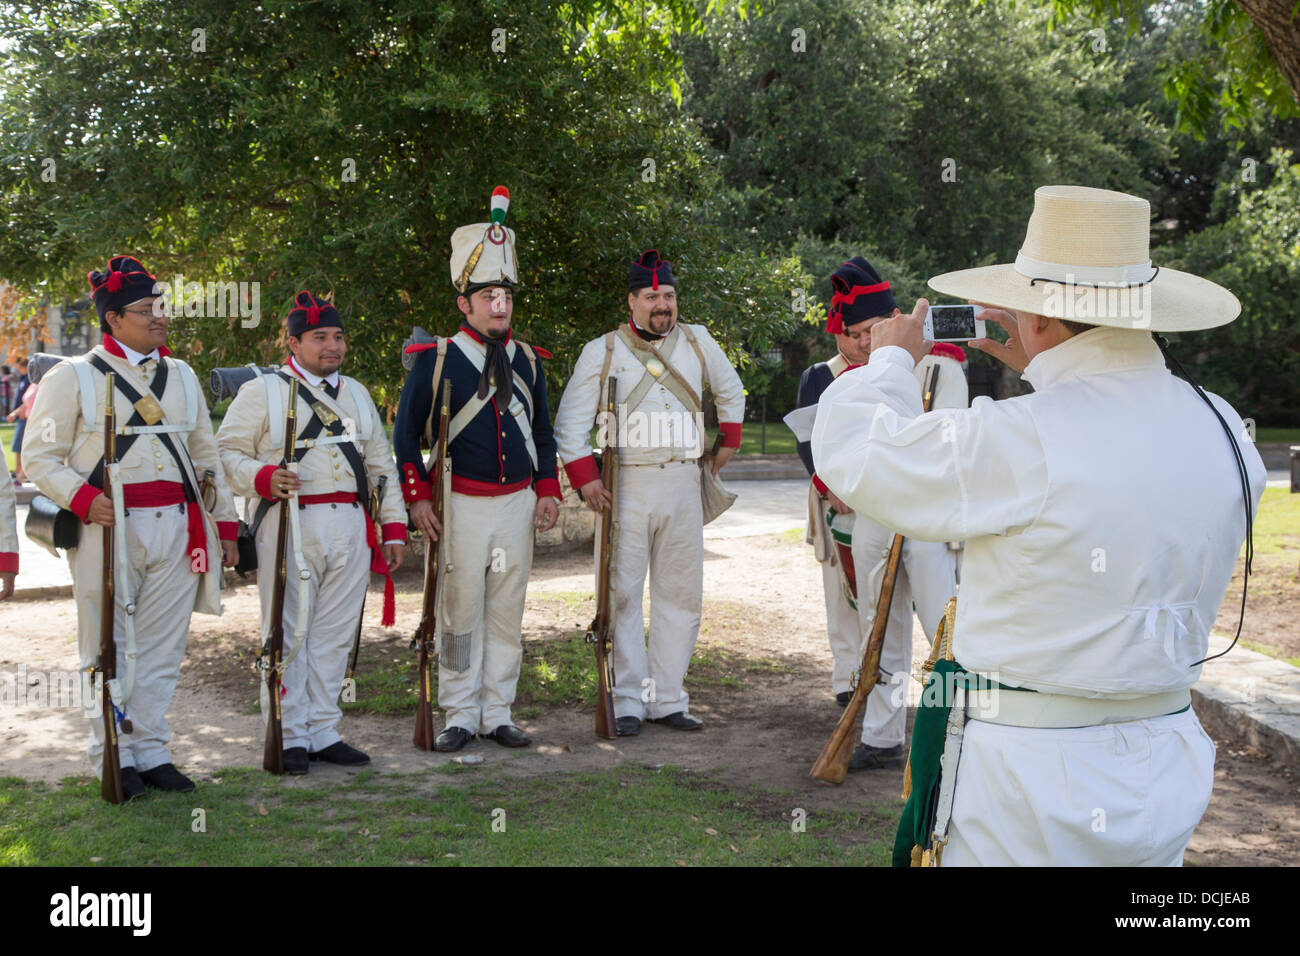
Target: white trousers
<point x="335" y="552"/>
<point x="165" y="588"/>
<point x="1125" y="794"/>
<point x="926" y="577"/>
<point x="660" y="531"/>
<point x="843" y="627"/>
<point x="480" y="645"/>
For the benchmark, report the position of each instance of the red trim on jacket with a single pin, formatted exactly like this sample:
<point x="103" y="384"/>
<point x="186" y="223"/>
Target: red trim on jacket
<point x="582" y="471"/>
<point x="262" y="483"/>
<point x="9" y="562"/>
<point x="112" y="347"/>
<point x="819" y="485"/>
<point x="80" y="503"/>
<point x="413" y="488"/>
<point x="954" y="352"/>
<point x="730" y="433"/>
<point x="394" y="531"/>
<point x="228" y="530"/>
<point x="548" y="488"/>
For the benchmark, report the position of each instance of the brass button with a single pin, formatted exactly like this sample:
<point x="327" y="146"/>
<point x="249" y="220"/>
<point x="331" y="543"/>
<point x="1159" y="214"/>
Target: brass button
<point x="160" y="467"/>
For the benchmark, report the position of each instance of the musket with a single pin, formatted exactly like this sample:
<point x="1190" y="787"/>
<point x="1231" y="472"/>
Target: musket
<point x="372" y="515"/>
<point x="601" y="633"/>
<point x="273" y="752"/>
<point x="832" y="764"/>
<point x="427" y="631"/>
<point x="110" y="782"/>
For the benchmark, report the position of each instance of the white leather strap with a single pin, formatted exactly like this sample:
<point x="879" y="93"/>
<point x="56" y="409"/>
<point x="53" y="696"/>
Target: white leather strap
<point x="1018" y="708"/>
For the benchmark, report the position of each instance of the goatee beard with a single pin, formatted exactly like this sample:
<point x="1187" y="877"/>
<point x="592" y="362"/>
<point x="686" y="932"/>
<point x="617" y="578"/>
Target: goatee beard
<point x="497" y="333"/>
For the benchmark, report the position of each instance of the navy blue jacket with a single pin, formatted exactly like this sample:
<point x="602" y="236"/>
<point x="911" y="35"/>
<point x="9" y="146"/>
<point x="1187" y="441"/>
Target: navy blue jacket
<point x="489" y="457"/>
<point x="815" y="380"/>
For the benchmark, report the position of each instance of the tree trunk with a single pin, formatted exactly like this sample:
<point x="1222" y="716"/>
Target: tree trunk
<point x="1279" y="21"/>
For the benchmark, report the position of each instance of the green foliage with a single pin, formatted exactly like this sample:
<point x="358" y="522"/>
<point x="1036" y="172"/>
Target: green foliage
<point x="232" y="163"/>
<point x="1234" y="79"/>
<point x="1253" y="362"/>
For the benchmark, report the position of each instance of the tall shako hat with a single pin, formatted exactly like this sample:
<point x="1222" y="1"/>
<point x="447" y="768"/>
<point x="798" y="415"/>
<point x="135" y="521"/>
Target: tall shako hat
<point x="309" y="313"/>
<point x="1087" y="258"/>
<point x="126" y="281"/>
<point x="483" y="254"/>
<point x="858" y="294"/>
<point x="649" y="271"/>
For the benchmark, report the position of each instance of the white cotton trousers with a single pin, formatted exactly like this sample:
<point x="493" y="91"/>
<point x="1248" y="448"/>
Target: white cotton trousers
<point x="660" y="531"/>
<point x="926" y="576"/>
<point x="480" y="641"/>
<point x="335" y="552"/>
<point x="1127" y="794"/>
<point x="164" y="590"/>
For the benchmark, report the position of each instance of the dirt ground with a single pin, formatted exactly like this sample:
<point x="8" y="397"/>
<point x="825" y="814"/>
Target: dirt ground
<point x="763" y="600"/>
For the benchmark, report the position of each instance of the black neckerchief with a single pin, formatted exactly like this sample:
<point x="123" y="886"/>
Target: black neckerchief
<point x="648" y="336"/>
<point x="495" y="366"/>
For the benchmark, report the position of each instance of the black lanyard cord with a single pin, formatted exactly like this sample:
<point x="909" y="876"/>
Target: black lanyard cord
<point x="1244" y="476"/>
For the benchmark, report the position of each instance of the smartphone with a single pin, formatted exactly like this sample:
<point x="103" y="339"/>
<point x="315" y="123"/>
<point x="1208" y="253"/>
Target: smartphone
<point x="954" y="323"/>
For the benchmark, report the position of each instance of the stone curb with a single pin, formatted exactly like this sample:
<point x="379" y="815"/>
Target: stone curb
<point x="1251" y="698"/>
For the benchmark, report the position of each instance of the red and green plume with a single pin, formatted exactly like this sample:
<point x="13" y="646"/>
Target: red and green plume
<point x="500" y="203"/>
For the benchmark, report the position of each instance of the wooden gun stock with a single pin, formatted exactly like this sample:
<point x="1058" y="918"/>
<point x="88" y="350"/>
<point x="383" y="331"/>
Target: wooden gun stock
<point x="426" y="633"/>
<point x="110" y="781"/>
<point x="832" y="764"/>
<point x="601" y="633"/>
<point x="273" y="751"/>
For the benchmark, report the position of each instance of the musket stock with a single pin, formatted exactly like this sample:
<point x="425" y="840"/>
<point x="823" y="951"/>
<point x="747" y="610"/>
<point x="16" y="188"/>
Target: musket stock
<point x="832" y="764"/>
<point x="427" y="632"/>
<point x="601" y="632"/>
<point x="273" y="751"/>
<point x="110" y="781"/>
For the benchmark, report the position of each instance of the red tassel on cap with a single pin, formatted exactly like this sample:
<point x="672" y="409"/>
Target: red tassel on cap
<point x="114" y="282"/>
<point x="313" y="314"/>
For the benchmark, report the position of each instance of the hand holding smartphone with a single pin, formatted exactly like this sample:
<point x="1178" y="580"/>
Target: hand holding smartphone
<point x="954" y="323"/>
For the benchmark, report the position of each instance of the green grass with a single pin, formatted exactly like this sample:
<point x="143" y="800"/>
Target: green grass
<point x="1289" y="435"/>
<point x="1269" y="651"/>
<point x="623" y="816"/>
<point x="1277" y="526"/>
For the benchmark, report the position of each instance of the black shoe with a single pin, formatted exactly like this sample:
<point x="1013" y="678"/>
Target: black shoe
<point x="627" y="726"/>
<point x="341" y="753"/>
<point x="132" y="785"/>
<point x="509" y="736"/>
<point x="679" y="721"/>
<point x="843" y="697"/>
<point x="452" y="739"/>
<point x="167" y="777"/>
<point x="866" y="757"/>
<point x="295" y="761"/>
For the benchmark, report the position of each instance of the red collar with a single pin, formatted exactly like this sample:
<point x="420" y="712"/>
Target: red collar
<point x="112" y="347"/>
<point x="464" y="327"/>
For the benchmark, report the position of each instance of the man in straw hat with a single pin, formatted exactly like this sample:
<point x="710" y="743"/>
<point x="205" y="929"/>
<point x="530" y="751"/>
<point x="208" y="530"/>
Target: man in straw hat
<point x="1102" y="515"/>
<point x="503" y="480"/>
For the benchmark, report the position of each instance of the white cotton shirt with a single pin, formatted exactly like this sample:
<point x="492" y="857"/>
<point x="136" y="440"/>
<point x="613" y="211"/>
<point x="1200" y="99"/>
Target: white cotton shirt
<point x="1102" y="513"/>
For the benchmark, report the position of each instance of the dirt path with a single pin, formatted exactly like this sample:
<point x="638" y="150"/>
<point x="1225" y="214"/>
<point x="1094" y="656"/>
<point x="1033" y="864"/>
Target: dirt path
<point x="764" y="724"/>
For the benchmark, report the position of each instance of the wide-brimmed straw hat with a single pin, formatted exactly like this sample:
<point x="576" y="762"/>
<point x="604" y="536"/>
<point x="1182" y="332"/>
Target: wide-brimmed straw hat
<point x="1086" y="258"/>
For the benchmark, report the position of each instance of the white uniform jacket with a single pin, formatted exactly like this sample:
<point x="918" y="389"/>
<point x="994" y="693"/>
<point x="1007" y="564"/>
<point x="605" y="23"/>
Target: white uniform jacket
<point x="1102" y="513"/>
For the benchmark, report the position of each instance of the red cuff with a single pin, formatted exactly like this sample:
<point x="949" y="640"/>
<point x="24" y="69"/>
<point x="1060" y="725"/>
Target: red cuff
<point x="730" y="433"/>
<point x="582" y="471"/>
<point x="395" y="531"/>
<point x="262" y="483"/>
<point x="548" y="488"/>
<point x="80" y="503"/>
<point x="228" y="530"/>
<point x="820" y="485"/>
<point x="413" y="489"/>
<point x="8" y="561"/>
